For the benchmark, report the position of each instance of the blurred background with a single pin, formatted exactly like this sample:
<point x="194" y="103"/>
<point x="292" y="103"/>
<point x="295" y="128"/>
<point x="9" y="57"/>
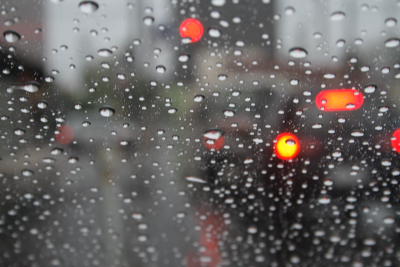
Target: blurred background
<point x="124" y="143"/>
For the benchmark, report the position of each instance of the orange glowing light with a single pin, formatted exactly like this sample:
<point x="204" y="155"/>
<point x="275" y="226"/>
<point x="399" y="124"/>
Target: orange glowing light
<point x="287" y="146"/>
<point x="396" y="140"/>
<point x="339" y="100"/>
<point x="192" y="28"/>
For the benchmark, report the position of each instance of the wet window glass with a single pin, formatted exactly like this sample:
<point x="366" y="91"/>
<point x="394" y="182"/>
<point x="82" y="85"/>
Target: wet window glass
<point x="199" y="133"/>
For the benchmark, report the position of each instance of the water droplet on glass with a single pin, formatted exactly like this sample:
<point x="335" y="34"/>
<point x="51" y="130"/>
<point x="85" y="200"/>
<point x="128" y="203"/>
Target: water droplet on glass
<point x="252" y="230"/>
<point x="27" y="173"/>
<point x="357" y="133"/>
<point x="290" y="10"/>
<point x="388" y="220"/>
<point x="338" y="16"/>
<point x="217" y="2"/>
<point x="106" y="112"/>
<point x="369" y="89"/>
<point x="19" y="132"/>
<point x="198" y="98"/>
<point x="298" y="52"/>
<point x="161" y="69"/>
<point x="390" y="22"/>
<point x="392" y="42"/>
<point x="11" y="36"/>
<point x="183" y="58"/>
<point x="42" y="105"/>
<point x="213" y="134"/>
<point x="172" y="110"/>
<point x="29" y="87"/>
<point x="88" y="7"/>
<point x="104" y="52"/>
<point x="195" y="180"/>
<point x="222" y="77"/>
<point x="324" y="200"/>
<point x="290" y="142"/>
<point x="215" y="33"/>
<point x="229" y="113"/>
<point x="148" y="21"/>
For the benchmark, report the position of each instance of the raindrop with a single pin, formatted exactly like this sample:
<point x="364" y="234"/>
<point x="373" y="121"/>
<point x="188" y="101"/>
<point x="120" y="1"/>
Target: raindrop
<point x="195" y="180"/>
<point x="86" y="123"/>
<point x="329" y="76"/>
<point x="290" y="10"/>
<point x="388" y="220"/>
<point x="252" y="230"/>
<point x="222" y="77"/>
<point x="27" y="172"/>
<point x="172" y="110"/>
<point x="229" y="113"/>
<point x="298" y="52"/>
<point x="338" y="16"/>
<point x="369" y="89"/>
<point x="215" y="33"/>
<point x="392" y="42"/>
<point x="106" y="112"/>
<point x="148" y="21"/>
<point x="340" y="43"/>
<point x="161" y="69"/>
<point x="217" y="2"/>
<point x="29" y="87"/>
<point x="324" y="200"/>
<point x="390" y="22"/>
<point x="88" y="7"/>
<point x="19" y="132"/>
<point x="104" y="52"/>
<point x="42" y="105"/>
<point x="11" y="36"/>
<point x="357" y="133"/>
<point x="213" y="134"/>
<point x="183" y="58"/>
<point x="290" y="142"/>
<point x="198" y="98"/>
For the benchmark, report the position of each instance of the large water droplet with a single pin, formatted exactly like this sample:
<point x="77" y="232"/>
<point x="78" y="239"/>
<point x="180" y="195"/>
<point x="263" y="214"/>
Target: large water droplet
<point x="11" y="36"/>
<point x="88" y="7"/>
<point x="217" y="2"/>
<point x="369" y="89"/>
<point x="298" y="52"/>
<point x="29" y="87"/>
<point x="183" y="58"/>
<point x="195" y="180"/>
<point x="392" y="42"/>
<point x="198" y="98"/>
<point x="229" y="113"/>
<point x="215" y="33"/>
<point x="106" y="112"/>
<point x="390" y="22"/>
<point x="104" y="52"/>
<point x="337" y="16"/>
<point x="27" y="172"/>
<point x="161" y="69"/>
<point x="148" y="21"/>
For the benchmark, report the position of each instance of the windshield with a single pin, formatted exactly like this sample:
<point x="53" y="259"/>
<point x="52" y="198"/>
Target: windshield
<point x="199" y="133"/>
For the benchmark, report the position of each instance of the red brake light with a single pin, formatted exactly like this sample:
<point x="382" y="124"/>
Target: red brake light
<point x="192" y="28"/>
<point x="396" y="140"/>
<point x="339" y="100"/>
